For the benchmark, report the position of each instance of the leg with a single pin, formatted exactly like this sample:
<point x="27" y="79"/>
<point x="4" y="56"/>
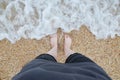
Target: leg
<point x="52" y="54"/>
<point x="53" y="51"/>
<point x="73" y="57"/>
<point x="67" y="46"/>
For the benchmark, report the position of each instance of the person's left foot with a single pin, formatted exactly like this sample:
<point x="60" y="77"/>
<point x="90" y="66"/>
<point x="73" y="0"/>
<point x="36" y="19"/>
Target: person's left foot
<point x="53" y="42"/>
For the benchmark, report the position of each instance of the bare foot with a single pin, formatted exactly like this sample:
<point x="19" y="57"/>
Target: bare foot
<point x="67" y="46"/>
<point x="53" y="42"/>
<point x="68" y="42"/>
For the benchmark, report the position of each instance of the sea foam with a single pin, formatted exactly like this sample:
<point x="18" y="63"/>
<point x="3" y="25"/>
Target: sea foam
<point x="35" y="19"/>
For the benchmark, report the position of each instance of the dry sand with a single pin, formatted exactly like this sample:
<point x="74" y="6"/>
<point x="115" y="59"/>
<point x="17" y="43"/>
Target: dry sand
<point x="105" y="53"/>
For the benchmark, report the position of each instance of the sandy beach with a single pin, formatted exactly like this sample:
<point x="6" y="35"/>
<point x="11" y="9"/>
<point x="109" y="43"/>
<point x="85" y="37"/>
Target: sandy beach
<point x="105" y="53"/>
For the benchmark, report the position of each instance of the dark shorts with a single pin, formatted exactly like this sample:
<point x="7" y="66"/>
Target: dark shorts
<point x="73" y="58"/>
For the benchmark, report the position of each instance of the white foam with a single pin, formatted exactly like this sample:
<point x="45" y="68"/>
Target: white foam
<point x="35" y="19"/>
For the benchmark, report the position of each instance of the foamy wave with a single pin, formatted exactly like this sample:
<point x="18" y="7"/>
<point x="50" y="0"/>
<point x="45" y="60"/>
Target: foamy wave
<point x="38" y="18"/>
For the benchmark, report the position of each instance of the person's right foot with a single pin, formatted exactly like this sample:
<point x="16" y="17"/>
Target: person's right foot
<point x="53" y="40"/>
<point x="68" y="41"/>
<point x="67" y="46"/>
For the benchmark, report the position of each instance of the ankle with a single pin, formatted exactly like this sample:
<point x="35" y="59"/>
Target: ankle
<point x="55" y="48"/>
<point x="68" y="51"/>
<point x="53" y="52"/>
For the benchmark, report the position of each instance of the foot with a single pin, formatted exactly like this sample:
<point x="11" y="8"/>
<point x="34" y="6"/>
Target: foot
<point x="67" y="46"/>
<point x="53" y="42"/>
<point x="68" y="41"/>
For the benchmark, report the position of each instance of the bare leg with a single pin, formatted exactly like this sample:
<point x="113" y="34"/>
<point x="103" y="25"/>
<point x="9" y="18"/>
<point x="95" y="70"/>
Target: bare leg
<point x="53" y="41"/>
<point x="67" y="46"/>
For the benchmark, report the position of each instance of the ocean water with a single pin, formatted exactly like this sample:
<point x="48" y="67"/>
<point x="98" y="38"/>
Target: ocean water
<point x="35" y="19"/>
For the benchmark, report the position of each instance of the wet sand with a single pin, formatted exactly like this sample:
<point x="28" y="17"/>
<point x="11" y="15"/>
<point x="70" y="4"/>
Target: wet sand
<point x="105" y="53"/>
